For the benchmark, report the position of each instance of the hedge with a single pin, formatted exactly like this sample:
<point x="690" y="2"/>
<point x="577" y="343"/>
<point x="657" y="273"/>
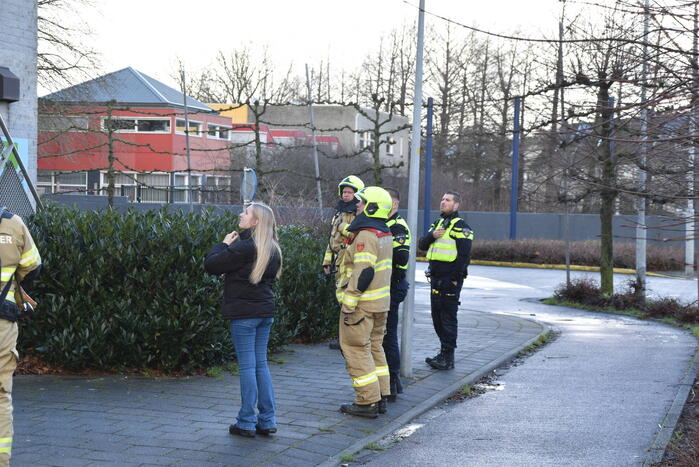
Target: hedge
<point x="128" y="290"/>
<point x="584" y="253"/>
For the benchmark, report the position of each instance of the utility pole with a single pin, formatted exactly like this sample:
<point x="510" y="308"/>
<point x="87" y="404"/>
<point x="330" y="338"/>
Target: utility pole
<point x="406" y="364"/>
<point x="693" y="144"/>
<point x="427" y="195"/>
<point x="559" y="85"/>
<point x="315" y="144"/>
<point x="186" y="142"/>
<point x="641" y="231"/>
<point x="515" y="172"/>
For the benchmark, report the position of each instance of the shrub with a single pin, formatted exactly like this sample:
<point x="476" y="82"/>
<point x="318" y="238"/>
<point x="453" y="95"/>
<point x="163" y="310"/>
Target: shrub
<point x="129" y="290"/>
<point x="545" y="251"/>
<point x="306" y="303"/>
<point x="673" y="308"/>
<point x="585" y="291"/>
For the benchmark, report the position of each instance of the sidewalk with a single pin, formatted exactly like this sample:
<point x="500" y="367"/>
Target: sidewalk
<point x="127" y="420"/>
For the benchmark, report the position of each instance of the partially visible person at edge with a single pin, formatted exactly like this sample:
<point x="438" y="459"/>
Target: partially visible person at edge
<point x="448" y="246"/>
<point x="399" y="289"/>
<point x="250" y="262"/>
<point x="365" y="276"/>
<point x="19" y="263"/>
<point x="345" y="212"/>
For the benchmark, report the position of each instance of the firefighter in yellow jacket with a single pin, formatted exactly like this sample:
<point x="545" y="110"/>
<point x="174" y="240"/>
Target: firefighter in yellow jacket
<point x="364" y="294"/>
<point x="19" y="261"/>
<point x="345" y="212"/>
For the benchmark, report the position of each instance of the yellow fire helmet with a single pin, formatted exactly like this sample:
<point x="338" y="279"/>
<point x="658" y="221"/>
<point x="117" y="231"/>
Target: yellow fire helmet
<point x="351" y="181"/>
<point x="378" y="201"/>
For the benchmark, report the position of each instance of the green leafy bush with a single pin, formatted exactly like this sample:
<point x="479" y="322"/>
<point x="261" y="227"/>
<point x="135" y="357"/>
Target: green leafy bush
<point x="128" y="291"/>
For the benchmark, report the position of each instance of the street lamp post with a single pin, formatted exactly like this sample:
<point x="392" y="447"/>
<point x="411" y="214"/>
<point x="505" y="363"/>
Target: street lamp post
<point x="406" y="364"/>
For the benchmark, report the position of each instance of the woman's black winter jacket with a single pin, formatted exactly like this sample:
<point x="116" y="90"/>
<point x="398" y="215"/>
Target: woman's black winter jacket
<point x="241" y="299"/>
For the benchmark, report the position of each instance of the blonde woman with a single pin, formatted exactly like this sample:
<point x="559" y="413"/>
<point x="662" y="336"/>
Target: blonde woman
<point x="250" y="262"/>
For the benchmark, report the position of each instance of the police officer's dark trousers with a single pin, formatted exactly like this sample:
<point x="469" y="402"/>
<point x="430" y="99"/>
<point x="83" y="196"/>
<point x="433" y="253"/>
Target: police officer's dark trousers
<point x="445" y="304"/>
<point x="399" y="289"/>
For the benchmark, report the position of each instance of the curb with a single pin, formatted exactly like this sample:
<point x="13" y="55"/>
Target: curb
<point x="667" y="425"/>
<point x="433" y="401"/>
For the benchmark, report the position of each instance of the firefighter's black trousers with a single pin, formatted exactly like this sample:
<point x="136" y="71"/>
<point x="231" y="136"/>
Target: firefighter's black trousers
<point x="445" y="304"/>
<point x="399" y="289"/>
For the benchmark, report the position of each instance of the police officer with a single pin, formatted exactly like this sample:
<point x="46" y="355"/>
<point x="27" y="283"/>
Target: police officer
<point x="19" y="261"/>
<point x="365" y="276"/>
<point x="345" y="212"/>
<point x="399" y="289"/>
<point x="448" y="245"/>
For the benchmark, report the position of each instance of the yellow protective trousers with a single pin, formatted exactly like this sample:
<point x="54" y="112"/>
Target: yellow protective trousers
<point x="8" y="363"/>
<point x="361" y="338"/>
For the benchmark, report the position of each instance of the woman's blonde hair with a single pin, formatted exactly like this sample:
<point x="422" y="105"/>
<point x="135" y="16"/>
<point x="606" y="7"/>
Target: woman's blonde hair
<point x="264" y="235"/>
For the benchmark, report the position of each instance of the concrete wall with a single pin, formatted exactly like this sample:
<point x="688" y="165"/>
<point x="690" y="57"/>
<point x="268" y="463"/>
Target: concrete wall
<point x="486" y="225"/>
<point x="18" y="45"/>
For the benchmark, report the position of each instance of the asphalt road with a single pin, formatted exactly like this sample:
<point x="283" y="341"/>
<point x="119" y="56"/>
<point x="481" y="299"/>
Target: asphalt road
<point x="594" y="396"/>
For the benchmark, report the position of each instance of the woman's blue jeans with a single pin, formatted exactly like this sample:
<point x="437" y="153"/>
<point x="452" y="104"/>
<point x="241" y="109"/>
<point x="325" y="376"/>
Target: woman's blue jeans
<point x="250" y="337"/>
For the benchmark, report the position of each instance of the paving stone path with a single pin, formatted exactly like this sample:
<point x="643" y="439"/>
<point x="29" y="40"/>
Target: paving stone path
<point x="131" y="420"/>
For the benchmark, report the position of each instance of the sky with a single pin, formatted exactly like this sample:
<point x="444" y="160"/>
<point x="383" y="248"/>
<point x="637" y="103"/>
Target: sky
<point x="149" y="35"/>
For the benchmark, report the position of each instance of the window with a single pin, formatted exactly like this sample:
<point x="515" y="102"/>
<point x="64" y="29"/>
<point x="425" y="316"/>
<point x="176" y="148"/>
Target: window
<point x="218" y="131"/>
<point x="181" y="188"/>
<point x="390" y="145"/>
<point x="194" y="127"/>
<point x="62" y="123"/>
<point x="49" y="181"/>
<point x="146" y="187"/>
<point x="218" y="190"/>
<point x="153" y="126"/>
<point x="366" y="139"/>
<point x="137" y="125"/>
<point x="121" y="124"/>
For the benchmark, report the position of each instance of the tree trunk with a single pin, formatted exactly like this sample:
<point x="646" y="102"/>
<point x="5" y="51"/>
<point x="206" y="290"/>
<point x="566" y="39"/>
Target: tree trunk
<point x="376" y="148"/>
<point x="608" y="194"/>
<point x="259" y="172"/>
<point x="110" y="158"/>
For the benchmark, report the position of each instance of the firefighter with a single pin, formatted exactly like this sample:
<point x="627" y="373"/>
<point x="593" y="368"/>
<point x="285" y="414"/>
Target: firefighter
<point x="399" y="289"/>
<point x="364" y="294"/>
<point x="448" y="245"/>
<point x="19" y="261"/>
<point x="345" y="212"/>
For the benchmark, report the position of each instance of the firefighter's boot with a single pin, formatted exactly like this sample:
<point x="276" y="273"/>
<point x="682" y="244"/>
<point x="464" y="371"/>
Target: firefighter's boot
<point x="367" y="411"/>
<point x="382" y="405"/>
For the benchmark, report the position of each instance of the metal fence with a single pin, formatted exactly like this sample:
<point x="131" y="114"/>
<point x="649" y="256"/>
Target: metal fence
<point x="16" y="189"/>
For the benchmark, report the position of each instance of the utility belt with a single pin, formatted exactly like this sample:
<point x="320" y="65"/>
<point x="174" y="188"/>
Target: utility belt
<point x="10" y="311"/>
<point x="443" y="285"/>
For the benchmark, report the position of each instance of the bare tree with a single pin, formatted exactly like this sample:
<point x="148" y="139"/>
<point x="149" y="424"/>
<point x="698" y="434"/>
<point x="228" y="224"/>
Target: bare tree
<point x="63" y="52"/>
